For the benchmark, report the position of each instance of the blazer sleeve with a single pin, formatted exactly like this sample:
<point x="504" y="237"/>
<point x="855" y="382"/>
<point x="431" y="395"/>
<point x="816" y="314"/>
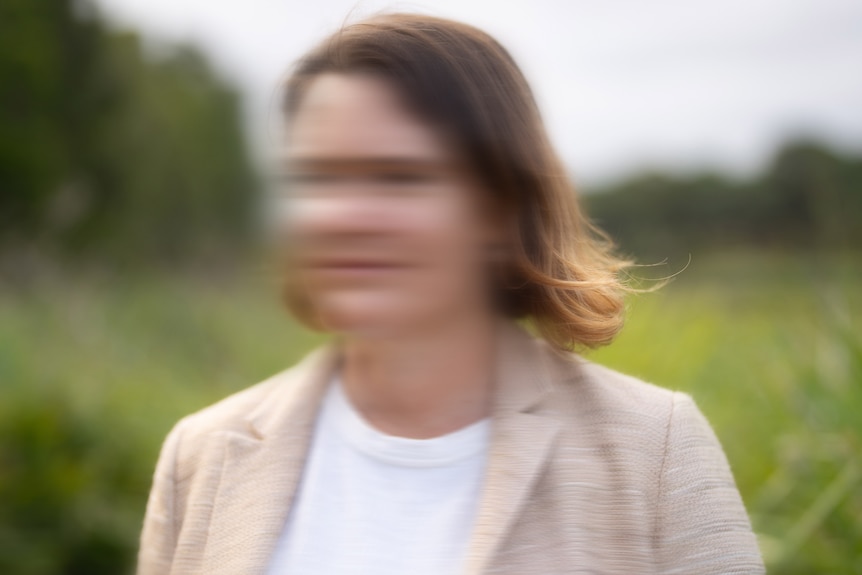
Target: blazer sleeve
<point x="702" y="526"/>
<point x="159" y="534"/>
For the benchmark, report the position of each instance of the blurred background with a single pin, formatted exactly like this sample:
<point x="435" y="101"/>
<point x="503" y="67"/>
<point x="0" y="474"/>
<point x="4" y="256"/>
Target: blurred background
<point x="723" y="139"/>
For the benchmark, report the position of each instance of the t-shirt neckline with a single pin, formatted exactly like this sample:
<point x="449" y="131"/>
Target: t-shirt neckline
<point x="440" y="451"/>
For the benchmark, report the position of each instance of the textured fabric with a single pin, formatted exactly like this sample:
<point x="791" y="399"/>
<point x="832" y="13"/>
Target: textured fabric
<point x="374" y="504"/>
<point x="589" y="471"/>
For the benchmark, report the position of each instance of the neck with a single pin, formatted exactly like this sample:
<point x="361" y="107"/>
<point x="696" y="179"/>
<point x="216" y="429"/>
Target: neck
<point x="425" y="383"/>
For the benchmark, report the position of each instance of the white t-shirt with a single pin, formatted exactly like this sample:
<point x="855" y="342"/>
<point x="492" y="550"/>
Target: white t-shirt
<point x="376" y="504"/>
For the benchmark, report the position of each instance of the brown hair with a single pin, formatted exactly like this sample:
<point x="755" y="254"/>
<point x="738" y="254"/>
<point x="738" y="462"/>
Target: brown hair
<point x="563" y="273"/>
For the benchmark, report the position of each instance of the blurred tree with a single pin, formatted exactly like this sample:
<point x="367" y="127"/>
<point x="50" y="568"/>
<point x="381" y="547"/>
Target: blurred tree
<point x="808" y="198"/>
<point x="39" y="43"/>
<point x="110" y="154"/>
<point x="814" y="196"/>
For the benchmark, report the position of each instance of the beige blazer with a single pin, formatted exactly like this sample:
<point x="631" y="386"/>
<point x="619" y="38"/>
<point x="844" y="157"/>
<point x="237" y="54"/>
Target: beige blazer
<point x="589" y="471"/>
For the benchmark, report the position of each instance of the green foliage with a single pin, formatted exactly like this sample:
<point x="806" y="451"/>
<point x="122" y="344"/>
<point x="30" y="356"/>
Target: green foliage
<point x="92" y="376"/>
<point x="808" y="198"/>
<point x="94" y="372"/>
<point x="108" y="153"/>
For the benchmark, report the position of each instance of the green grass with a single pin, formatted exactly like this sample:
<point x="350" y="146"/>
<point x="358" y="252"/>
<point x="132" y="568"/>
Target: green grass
<point x="93" y="373"/>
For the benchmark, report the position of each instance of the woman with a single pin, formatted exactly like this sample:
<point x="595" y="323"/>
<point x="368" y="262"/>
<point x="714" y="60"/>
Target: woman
<point x="435" y="435"/>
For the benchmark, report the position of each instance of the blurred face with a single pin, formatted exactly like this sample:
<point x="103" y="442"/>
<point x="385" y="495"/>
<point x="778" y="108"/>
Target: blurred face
<point x="385" y="232"/>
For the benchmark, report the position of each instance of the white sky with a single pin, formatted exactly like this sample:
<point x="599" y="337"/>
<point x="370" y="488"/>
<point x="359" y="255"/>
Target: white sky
<point x="623" y="84"/>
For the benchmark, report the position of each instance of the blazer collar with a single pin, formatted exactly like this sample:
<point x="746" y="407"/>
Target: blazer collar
<point x="262" y="468"/>
<point x="523" y="374"/>
<point x="296" y="393"/>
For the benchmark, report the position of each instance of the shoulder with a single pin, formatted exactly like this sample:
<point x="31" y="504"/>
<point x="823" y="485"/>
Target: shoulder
<point x="642" y="438"/>
<point x="621" y="408"/>
<point x="619" y="388"/>
<point x="618" y="391"/>
<point x="607" y="390"/>
<point x="244" y="411"/>
<point x="231" y="412"/>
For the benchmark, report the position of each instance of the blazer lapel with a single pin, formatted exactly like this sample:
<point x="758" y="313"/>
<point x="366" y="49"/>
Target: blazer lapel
<point x="261" y="468"/>
<point x="520" y="445"/>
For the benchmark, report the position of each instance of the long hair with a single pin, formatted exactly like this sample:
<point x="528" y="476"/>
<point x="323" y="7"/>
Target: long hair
<point x="562" y="274"/>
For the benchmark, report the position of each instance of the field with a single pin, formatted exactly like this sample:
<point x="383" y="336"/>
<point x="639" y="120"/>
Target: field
<point x="95" y="369"/>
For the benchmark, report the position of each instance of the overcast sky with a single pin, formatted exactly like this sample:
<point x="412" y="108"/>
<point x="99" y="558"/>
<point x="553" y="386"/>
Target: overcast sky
<point x="622" y="84"/>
